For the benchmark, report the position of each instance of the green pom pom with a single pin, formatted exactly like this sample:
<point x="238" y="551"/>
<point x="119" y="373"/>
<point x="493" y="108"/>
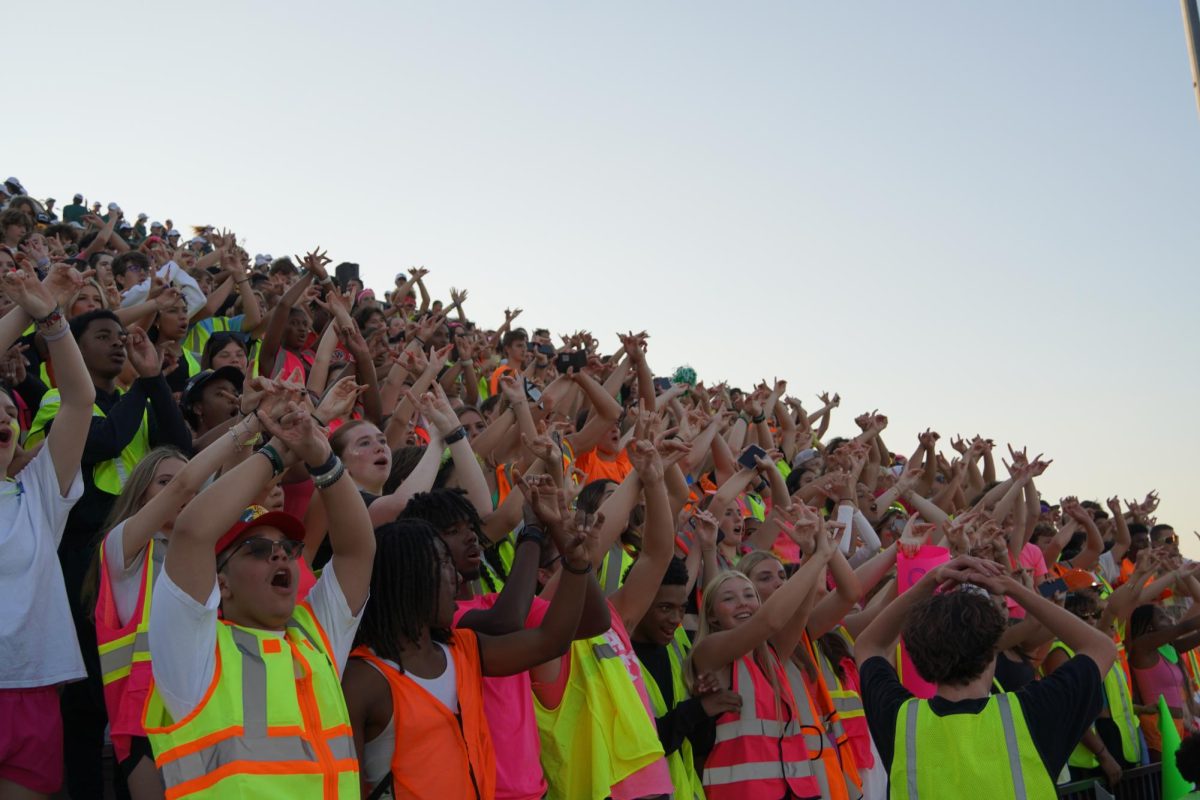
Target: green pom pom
<point x="684" y="374"/>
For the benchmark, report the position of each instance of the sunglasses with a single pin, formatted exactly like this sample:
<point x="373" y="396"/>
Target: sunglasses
<point x="263" y="549"/>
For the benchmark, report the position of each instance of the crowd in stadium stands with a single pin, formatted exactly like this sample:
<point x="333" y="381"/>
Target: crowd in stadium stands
<point x="266" y="532"/>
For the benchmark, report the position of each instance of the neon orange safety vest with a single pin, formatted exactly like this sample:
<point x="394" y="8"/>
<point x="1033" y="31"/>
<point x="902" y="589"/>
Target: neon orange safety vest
<point x="439" y="753"/>
<point x="125" y="656"/>
<point x="760" y="752"/>
<point x="827" y="762"/>
<point x="849" y="705"/>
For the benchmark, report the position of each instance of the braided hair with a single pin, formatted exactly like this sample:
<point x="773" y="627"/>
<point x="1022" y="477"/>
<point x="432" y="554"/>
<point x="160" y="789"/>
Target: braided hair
<point x="446" y="507"/>
<point x="405" y="587"/>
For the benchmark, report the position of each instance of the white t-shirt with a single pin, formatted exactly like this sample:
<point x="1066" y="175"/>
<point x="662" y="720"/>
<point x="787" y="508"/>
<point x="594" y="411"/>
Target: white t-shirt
<point x="183" y="636"/>
<point x="127" y="583"/>
<point x="377" y="755"/>
<point x="37" y="635"/>
<point x="1109" y="569"/>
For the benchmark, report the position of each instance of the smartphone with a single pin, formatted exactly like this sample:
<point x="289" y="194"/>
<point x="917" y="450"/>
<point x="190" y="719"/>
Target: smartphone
<point x="747" y="458"/>
<point x="662" y="384"/>
<point x="546" y="350"/>
<point x="1051" y="588"/>
<point x="532" y="392"/>
<point x="565" y="361"/>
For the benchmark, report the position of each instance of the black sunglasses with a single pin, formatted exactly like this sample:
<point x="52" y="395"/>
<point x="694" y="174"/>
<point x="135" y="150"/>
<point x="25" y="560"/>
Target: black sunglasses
<point x="262" y="548"/>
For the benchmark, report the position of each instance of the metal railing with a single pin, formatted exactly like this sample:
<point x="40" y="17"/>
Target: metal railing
<point x="1143" y="783"/>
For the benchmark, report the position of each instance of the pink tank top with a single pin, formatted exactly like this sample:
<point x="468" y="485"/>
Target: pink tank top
<point x="1163" y="678"/>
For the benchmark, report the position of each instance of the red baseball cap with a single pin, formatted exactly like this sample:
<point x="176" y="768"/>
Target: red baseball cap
<point x="259" y="517"/>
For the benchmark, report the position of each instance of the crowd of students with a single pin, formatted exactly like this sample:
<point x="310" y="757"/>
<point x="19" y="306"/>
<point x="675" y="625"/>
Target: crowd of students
<point x="266" y="533"/>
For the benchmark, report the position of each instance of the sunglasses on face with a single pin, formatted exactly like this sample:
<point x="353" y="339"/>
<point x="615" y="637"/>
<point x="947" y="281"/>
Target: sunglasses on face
<point x="263" y="549"/>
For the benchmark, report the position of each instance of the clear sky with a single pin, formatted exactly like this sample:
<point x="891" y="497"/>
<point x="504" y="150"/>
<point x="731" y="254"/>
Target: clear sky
<point x="979" y="217"/>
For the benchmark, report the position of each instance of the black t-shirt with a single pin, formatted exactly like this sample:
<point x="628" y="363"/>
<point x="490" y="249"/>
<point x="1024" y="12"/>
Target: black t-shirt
<point x="325" y="549"/>
<point x="1058" y="709"/>
<point x="1014" y="675"/>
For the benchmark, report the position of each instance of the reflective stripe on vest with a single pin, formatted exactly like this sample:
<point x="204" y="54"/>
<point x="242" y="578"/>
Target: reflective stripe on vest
<point x="752" y="755"/>
<point x="1120" y="709"/>
<point x="600" y="733"/>
<point x="199" y="335"/>
<point x="967" y="764"/>
<point x="826" y="759"/>
<point x="272" y="700"/>
<point x="125" y="654"/>
<point x="613" y="568"/>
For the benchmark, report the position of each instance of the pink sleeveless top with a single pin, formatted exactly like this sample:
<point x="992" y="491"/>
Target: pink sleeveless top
<point x="1163" y="678"/>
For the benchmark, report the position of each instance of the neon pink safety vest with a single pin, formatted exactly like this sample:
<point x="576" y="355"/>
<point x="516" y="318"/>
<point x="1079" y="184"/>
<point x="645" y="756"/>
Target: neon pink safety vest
<point x="760" y="752"/>
<point x="125" y="657"/>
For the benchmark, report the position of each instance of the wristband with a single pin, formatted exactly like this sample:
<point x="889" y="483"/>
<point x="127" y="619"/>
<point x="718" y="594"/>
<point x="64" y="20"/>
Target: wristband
<point x="567" y="566"/>
<point x="759" y="418"/>
<point x="328" y="466"/>
<point x="327" y="479"/>
<point x="273" y="456"/>
<point x="531" y="533"/>
<point x="57" y="333"/>
<point x="455" y="435"/>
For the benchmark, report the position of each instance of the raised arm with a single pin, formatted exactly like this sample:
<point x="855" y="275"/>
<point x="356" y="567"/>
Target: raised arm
<point x="35" y="302"/>
<point x="141" y="527"/>
<point x="636" y="595"/>
<point x="723" y="647"/>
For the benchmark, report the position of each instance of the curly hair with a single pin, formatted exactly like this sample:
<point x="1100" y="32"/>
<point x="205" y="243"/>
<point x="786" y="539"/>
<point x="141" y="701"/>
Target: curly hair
<point x="952" y="637"/>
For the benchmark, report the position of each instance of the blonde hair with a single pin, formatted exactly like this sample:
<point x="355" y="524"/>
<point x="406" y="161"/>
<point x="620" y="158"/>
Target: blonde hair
<point x="802" y="655"/>
<point x="128" y="503"/>
<point x="94" y="284"/>
<point x="763" y="653"/>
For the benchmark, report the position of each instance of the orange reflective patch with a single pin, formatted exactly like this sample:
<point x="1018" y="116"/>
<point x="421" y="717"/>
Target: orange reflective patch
<point x="271" y="646"/>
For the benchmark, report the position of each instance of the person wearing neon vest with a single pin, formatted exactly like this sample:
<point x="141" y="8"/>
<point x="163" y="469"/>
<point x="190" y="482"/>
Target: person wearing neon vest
<point x="1113" y="744"/>
<point x="759" y="751"/>
<point x="595" y="715"/>
<point x="507" y="700"/>
<point x="963" y="738"/>
<point x="250" y="703"/>
<point x="514" y="344"/>
<point x="284" y="353"/>
<point x="431" y="673"/>
<point x="36" y="636"/>
<point x="129" y="562"/>
<point x="662" y="648"/>
<point x="833" y="764"/>
<point x="124" y="427"/>
<point x="232" y="277"/>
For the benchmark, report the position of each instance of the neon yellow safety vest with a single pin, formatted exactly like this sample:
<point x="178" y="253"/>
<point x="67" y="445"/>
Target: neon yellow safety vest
<point x="682" y="765"/>
<point x="1120" y="707"/>
<point x="612" y="569"/>
<point x="193" y="364"/>
<point x="273" y="723"/>
<point x="600" y="733"/>
<point x="198" y="336"/>
<point x="967" y="755"/>
<point x="109" y="476"/>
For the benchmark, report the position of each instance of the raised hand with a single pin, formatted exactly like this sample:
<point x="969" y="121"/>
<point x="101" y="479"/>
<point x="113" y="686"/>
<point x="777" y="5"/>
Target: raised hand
<point x="915" y="535"/>
<point x="63" y="281"/>
<point x="24" y="289"/>
<point x="706" y="526"/>
<point x="435" y="408"/>
<point x="299" y="432"/>
<point x="646" y="461"/>
<point x="315" y="262"/>
<point x="339" y="401"/>
<point x="146" y="360"/>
